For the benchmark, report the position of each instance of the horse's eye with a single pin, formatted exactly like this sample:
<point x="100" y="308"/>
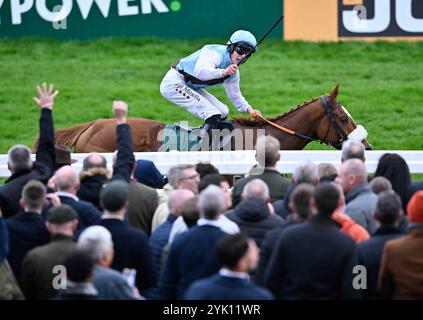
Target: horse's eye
<point x="344" y="119"/>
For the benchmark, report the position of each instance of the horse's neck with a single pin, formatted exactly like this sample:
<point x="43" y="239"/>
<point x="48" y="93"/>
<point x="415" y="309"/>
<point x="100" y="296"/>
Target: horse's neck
<point x="304" y="120"/>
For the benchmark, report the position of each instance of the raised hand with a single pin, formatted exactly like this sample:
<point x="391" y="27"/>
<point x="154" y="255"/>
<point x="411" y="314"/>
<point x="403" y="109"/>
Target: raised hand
<point x="120" y="110"/>
<point x="230" y="71"/>
<point x="46" y="96"/>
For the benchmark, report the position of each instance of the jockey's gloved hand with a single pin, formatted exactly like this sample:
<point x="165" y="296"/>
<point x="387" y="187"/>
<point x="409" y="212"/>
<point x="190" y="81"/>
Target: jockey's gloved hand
<point x="254" y="113"/>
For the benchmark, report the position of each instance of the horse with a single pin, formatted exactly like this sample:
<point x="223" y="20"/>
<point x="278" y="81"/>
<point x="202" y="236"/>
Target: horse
<point x="323" y="119"/>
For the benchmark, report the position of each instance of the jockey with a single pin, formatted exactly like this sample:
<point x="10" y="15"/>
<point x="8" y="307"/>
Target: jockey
<point x="212" y="65"/>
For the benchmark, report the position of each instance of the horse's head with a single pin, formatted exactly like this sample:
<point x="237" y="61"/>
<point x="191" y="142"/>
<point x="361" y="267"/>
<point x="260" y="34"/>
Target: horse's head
<point x="338" y="125"/>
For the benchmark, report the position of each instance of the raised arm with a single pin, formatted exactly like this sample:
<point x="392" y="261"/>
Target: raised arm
<point x="45" y="156"/>
<point x="125" y="159"/>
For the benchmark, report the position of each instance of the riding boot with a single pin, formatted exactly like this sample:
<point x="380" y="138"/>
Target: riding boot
<point x="210" y="124"/>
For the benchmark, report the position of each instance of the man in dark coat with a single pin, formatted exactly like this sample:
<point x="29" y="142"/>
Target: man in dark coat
<point x="238" y="255"/>
<point x="387" y="212"/>
<point x="67" y="184"/>
<point x="38" y="266"/>
<point x="304" y="173"/>
<point x="267" y="156"/>
<point x="26" y="229"/>
<point x="252" y="214"/>
<point x="20" y="164"/>
<point x="300" y="202"/>
<point x="191" y="256"/>
<point x="79" y="266"/>
<point x="94" y="172"/>
<point x="314" y="260"/>
<point x="130" y="245"/>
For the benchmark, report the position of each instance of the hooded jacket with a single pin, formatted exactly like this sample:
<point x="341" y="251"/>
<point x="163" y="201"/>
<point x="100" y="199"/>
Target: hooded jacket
<point x="254" y="218"/>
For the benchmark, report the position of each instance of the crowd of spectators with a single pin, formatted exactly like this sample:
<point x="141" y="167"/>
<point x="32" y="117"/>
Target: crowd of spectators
<point x="135" y="233"/>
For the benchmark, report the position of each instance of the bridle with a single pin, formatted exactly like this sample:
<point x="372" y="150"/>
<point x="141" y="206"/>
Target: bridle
<point x="331" y="122"/>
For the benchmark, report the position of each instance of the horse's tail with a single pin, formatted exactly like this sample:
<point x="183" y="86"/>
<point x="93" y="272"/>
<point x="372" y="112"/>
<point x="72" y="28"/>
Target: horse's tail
<point x="68" y="136"/>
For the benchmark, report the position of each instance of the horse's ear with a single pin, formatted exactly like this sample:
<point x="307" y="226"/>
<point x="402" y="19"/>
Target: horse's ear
<point x="335" y="91"/>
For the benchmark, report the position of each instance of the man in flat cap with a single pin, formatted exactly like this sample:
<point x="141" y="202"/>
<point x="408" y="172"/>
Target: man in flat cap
<point x="37" y="268"/>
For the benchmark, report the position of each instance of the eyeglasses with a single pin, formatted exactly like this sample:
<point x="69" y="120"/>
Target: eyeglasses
<point x="242" y="50"/>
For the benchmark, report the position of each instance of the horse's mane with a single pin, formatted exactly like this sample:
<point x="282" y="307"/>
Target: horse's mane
<point x="258" y="122"/>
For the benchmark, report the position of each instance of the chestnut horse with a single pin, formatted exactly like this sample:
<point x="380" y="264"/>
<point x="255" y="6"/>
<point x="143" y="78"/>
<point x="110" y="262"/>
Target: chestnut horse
<point x="323" y="119"/>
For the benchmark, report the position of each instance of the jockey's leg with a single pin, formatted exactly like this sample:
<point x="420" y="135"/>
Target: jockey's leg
<point x="223" y="108"/>
<point x="174" y="89"/>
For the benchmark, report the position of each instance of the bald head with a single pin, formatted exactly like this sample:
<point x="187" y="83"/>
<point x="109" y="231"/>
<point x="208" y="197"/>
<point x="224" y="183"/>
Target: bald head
<point x="351" y="174"/>
<point x="256" y="189"/>
<point x="177" y="199"/>
<point x="94" y="160"/>
<point x="67" y="179"/>
<point x="356" y="167"/>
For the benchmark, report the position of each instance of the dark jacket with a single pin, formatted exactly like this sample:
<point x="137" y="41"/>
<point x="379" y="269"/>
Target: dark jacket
<point x="26" y="231"/>
<point x="277" y="184"/>
<point x="37" y="268"/>
<point x="159" y="238"/>
<point x="370" y="254"/>
<point x="267" y="246"/>
<point x="143" y="202"/>
<point x="218" y="287"/>
<point x="42" y="170"/>
<point x="131" y="251"/>
<point x="313" y="260"/>
<point x="191" y="257"/>
<point x="4" y="240"/>
<point x="91" y="185"/>
<point x="88" y="215"/>
<point x="282" y="206"/>
<point x="413" y="188"/>
<point x="254" y="219"/>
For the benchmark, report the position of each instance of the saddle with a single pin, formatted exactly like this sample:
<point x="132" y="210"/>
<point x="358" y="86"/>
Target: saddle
<point x="182" y="137"/>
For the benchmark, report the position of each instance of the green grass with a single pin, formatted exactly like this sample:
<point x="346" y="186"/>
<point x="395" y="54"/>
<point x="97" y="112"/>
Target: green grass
<point x="380" y="83"/>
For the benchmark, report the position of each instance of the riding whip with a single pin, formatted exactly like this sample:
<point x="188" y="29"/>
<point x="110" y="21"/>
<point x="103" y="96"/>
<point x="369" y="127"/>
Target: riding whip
<point x="261" y="40"/>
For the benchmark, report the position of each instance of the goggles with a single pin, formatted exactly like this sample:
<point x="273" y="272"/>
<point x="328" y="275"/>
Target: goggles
<point x="241" y="50"/>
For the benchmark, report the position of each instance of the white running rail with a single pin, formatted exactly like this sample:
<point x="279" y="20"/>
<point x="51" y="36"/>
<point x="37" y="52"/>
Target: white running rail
<point x="240" y="162"/>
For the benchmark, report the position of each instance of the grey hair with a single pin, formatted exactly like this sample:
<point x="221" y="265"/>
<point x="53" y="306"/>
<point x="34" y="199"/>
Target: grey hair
<point x="267" y="146"/>
<point x="211" y="202"/>
<point x="326" y="169"/>
<point x="306" y="172"/>
<point x="352" y="149"/>
<point x="176" y="173"/>
<point x="380" y="184"/>
<point x="19" y="158"/>
<point x="256" y="189"/>
<point x="96" y="240"/>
